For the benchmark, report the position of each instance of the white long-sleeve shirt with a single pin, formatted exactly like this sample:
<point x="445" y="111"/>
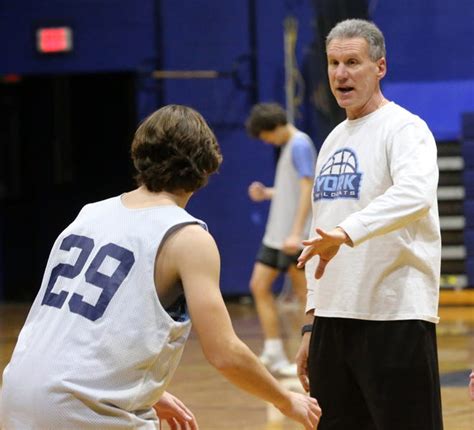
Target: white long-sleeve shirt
<point x="376" y="177"/>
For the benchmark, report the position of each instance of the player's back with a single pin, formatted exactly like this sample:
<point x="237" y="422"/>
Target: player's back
<point x="98" y="349"/>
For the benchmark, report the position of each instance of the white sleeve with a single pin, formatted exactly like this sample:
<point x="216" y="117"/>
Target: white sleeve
<point x="412" y="158"/>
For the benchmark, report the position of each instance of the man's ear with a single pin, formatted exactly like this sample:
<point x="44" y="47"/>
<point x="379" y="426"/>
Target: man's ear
<point x="381" y="68"/>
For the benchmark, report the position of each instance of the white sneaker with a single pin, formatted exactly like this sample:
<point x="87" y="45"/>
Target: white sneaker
<point x="287" y="370"/>
<point x="278" y="366"/>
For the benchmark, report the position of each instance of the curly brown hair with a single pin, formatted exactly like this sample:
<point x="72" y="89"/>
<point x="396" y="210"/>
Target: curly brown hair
<point x="175" y="150"/>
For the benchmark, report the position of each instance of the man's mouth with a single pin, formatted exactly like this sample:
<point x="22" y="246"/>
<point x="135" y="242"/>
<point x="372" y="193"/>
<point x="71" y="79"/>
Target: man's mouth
<point x="345" y="90"/>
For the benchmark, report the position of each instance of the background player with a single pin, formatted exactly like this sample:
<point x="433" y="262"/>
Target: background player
<point x="288" y="223"/>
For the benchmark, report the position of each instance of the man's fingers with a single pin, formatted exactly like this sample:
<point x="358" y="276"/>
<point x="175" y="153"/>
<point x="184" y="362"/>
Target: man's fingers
<point x="173" y="425"/>
<point x="302" y="376"/>
<point x="320" y="269"/>
<point x="313" y="416"/>
<point x="304" y="382"/>
<point x="312" y="241"/>
<point x="187" y="415"/>
<point x="184" y="410"/>
<point x="304" y="257"/>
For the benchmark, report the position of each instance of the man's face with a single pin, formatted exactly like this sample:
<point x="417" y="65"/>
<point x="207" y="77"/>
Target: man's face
<point x="354" y="78"/>
<point x="276" y="137"/>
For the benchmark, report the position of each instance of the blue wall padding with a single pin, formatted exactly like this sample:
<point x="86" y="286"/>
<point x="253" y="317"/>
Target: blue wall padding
<point x="468" y="126"/>
<point x="429" y="55"/>
<point x="469" y="183"/>
<point x="469" y="241"/>
<point x="212" y="35"/>
<point x="439" y="103"/>
<point x="427" y="40"/>
<point x="470" y="271"/>
<point x="469" y="213"/>
<point x="467" y="149"/>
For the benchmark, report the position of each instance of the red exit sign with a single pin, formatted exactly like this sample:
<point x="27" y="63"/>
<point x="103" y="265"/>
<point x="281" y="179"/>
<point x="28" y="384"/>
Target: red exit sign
<point x="54" y="40"/>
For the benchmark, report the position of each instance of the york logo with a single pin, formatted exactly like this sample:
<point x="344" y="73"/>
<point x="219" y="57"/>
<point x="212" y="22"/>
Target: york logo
<point x="338" y="177"/>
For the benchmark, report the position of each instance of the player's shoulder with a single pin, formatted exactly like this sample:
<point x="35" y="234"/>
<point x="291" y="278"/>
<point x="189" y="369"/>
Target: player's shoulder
<point x="302" y="139"/>
<point x="302" y="145"/>
<point x="192" y="237"/>
<point x="192" y="244"/>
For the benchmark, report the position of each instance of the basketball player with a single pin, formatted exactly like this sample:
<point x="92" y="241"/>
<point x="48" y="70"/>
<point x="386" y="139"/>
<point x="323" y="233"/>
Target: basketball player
<point x="288" y="223"/>
<point x="107" y="329"/>
<point x="373" y="267"/>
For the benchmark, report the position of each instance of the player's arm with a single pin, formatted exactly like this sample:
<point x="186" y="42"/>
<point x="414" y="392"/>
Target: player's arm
<point x="198" y="266"/>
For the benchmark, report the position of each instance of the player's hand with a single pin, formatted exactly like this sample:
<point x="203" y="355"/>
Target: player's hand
<point x="258" y="192"/>
<point x="326" y="245"/>
<point x="302" y="361"/>
<point x="471" y="385"/>
<point x="292" y="244"/>
<point x="303" y="409"/>
<point x="172" y="410"/>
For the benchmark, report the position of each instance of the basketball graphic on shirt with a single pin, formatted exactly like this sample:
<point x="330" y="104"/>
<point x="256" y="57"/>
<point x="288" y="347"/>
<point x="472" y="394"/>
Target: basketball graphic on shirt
<point x="339" y="177"/>
<point x="342" y="161"/>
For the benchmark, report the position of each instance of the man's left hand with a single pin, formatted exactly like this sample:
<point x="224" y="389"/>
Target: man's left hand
<point x="326" y="245"/>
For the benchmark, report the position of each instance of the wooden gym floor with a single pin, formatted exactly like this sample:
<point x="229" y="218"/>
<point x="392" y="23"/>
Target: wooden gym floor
<point x="218" y="405"/>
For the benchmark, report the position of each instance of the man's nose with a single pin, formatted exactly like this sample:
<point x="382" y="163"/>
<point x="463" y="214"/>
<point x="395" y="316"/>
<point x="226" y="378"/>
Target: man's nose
<point x="341" y="72"/>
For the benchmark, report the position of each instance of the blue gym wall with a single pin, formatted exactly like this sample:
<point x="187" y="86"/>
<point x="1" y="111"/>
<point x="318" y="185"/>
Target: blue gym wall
<point x="430" y="58"/>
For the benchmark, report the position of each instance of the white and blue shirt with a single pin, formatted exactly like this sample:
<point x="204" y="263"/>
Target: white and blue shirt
<point x="376" y="177"/>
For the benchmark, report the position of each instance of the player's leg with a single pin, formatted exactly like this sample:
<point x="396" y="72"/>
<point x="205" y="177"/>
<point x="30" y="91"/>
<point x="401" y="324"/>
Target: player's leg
<point x="264" y="274"/>
<point x="399" y="370"/>
<point x="332" y="381"/>
<point x="261" y="283"/>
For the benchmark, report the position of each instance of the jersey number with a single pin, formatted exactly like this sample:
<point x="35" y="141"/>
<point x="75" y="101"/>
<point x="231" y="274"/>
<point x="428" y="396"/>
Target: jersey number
<point x="108" y="284"/>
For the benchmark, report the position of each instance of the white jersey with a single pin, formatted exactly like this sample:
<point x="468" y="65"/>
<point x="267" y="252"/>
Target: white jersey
<point x="376" y="177"/>
<point x="287" y="191"/>
<point x="98" y="349"/>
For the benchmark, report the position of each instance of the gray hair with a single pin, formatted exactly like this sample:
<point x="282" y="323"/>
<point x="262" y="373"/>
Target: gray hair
<point x="351" y="28"/>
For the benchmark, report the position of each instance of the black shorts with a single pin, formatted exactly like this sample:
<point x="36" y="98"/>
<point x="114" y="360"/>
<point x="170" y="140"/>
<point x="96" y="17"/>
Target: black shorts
<point x="275" y="258"/>
<point x="375" y="375"/>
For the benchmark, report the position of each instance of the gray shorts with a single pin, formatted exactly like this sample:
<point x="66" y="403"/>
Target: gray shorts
<point x="276" y="258"/>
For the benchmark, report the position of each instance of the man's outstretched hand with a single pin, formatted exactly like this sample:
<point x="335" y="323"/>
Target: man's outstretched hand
<point x="326" y="245"/>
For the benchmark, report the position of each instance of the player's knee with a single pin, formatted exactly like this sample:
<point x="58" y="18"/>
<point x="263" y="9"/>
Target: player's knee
<point x="259" y="288"/>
